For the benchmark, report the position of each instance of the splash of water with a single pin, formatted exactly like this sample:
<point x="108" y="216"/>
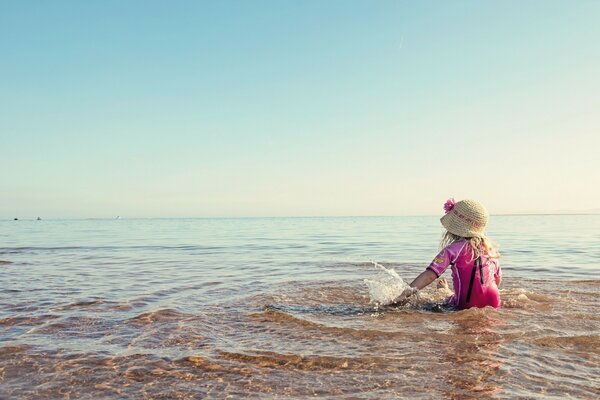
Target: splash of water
<point x="386" y="288"/>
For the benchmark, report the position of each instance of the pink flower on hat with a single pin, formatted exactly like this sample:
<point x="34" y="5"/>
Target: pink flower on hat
<point x="449" y="205"/>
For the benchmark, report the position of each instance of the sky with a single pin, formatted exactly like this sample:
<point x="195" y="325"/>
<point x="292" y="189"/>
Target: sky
<point x="297" y="108"/>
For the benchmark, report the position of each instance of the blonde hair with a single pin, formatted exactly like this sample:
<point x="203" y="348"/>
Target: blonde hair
<point x="476" y="244"/>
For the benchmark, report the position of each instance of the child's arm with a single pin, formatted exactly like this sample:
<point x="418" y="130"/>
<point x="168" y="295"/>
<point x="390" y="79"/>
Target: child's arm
<point x="424" y="279"/>
<point x="435" y="269"/>
<point x="498" y="273"/>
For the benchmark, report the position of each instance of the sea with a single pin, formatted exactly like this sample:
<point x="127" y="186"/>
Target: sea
<point x="267" y="308"/>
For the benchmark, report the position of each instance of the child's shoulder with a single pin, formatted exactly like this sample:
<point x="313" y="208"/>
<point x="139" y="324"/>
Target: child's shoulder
<point x="456" y="246"/>
<point x="455" y="249"/>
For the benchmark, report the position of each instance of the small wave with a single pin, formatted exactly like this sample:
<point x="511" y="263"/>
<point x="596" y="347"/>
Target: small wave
<point x="11" y="290"/>
<point x="588" y="282"/>
<point x="519" y="301"/>
<point x="522" y="298"/>
<point x="81" y="304"/>
<point x="32" y="320"/>
<point x="75" y="326"/>
<point x="96" y="303"/>
<point x="122" y="306"/>
<point x="141" y="373"/>
<point x="335" y="309"/>
<point x="270" y="359"/>
<point x="282" y="318"/>
<point x="585" y="343"/>
<point x="8" y="351"/>
<point x="207" y="366"/>
<point x="203" y="363"/>
<point x="475" y="312"/>
<point x="163" y="315"/>
<point x="318" y="293"/>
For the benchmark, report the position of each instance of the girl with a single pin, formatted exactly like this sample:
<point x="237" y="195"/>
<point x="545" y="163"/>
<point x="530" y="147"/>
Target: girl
<point x="474" y="261"/>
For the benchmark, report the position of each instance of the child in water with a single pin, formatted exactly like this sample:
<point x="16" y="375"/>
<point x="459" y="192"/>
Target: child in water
<point x="471" y="255"/>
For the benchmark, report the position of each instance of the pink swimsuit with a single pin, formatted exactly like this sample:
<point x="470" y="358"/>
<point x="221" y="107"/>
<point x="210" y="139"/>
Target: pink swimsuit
<point x="474" y="279"/>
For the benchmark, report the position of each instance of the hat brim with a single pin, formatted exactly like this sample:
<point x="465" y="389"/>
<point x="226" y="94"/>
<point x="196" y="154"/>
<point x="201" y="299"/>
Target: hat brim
<point x="458" y="227"/>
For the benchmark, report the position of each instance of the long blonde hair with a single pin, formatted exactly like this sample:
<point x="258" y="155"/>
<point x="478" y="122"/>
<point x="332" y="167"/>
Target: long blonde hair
<point x="476" y="244"/>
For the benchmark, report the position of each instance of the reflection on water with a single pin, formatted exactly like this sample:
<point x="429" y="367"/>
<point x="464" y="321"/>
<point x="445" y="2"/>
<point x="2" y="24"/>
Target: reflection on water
<point x="257" y="308"/>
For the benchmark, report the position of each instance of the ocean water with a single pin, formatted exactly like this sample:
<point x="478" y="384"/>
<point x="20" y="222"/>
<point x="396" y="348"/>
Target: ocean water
<point x="279" y="308"/>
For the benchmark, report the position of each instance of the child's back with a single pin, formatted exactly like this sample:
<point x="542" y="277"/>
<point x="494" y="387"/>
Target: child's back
<point x="475" y="279"/>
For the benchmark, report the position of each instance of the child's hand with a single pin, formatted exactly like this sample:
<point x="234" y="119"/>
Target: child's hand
<point x="403" y="298"/>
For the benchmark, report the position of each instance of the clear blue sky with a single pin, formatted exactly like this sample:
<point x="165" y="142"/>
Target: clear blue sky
<point x="251" y="108"/>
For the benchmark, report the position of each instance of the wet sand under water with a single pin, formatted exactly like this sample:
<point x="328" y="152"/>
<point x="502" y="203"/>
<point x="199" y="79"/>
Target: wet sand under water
<point x="307" y="339"/>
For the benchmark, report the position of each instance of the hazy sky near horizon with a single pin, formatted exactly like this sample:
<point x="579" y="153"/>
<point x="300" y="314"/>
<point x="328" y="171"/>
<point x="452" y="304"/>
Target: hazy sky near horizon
<point x="269" y="108"/>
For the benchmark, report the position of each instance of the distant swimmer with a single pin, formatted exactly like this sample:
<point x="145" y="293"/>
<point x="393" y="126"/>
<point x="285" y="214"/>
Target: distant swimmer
<point x="39" y="219"/>
<point x="16" y="219"/>
<point x="118" y="217"/>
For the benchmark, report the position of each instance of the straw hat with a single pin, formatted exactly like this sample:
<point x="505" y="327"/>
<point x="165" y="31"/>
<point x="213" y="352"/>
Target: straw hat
<point x="466" y="218"/>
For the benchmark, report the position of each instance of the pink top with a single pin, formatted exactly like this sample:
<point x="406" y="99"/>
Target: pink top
<point x="459" y="256"/>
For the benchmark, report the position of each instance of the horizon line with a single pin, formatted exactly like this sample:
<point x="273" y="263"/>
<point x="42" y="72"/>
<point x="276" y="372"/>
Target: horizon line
<point x="517" y="214"/>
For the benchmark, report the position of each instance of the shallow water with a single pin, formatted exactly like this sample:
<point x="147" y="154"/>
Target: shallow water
<point x="278" y="307"/>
